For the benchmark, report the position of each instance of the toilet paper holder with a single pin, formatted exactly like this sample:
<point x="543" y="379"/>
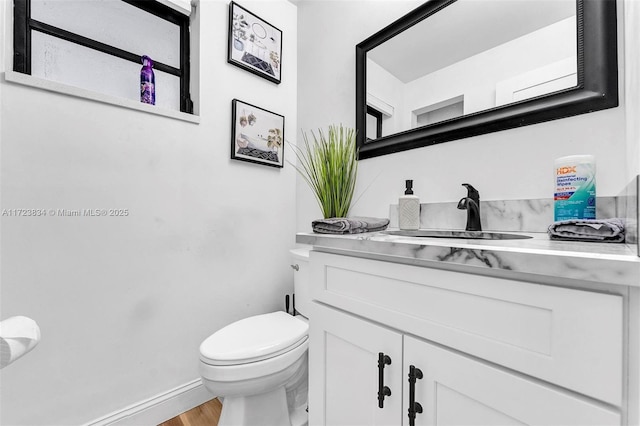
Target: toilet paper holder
<point x="18" y="336"/>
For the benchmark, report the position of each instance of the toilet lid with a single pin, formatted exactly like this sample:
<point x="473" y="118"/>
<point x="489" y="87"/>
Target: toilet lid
<point x="254" y="338"/>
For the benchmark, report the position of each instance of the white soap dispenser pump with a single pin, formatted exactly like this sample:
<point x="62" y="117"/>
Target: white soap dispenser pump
<point x="409" y="209"/>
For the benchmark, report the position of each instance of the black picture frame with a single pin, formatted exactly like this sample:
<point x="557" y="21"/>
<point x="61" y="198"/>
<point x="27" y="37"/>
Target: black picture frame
<point x="257" y="134"/>
<point x="597" y="88"/>
<point x="254" y="44"/>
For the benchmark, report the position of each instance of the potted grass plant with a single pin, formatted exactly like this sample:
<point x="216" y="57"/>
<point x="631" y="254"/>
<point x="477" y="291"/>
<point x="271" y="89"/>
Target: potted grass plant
<point x="328" y="163"/>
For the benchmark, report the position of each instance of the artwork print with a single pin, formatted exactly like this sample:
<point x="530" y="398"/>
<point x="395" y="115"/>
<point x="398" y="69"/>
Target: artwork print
<point x="254" y="44"/>
<point x="257" y="135"/>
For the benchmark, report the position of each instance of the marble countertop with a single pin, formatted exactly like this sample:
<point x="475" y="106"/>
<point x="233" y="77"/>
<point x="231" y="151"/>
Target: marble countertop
<point x="611" y="263"/>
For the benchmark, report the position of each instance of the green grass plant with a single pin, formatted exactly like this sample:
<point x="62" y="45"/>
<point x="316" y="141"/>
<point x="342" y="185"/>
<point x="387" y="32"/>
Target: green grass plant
<point x="328" y="163"/>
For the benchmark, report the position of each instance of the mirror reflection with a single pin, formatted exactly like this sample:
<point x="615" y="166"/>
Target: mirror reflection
<point x="471" y="56"/>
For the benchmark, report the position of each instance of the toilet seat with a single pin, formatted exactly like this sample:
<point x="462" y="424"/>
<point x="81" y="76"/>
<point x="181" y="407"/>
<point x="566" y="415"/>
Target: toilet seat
<point x="257" y="369"/>
<point x="254" y="339"/>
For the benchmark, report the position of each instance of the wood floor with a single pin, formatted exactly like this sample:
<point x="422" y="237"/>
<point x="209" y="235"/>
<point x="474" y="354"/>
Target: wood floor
<point x="206" y="414"/>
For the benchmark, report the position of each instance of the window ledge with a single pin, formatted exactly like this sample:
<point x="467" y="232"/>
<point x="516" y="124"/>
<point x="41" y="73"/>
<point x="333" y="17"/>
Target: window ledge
<point x="65" y="89"/>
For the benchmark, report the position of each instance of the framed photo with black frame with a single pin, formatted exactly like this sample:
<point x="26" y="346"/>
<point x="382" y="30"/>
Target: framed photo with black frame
<point x="257" y="135"/>
<point x="254" y="44"/>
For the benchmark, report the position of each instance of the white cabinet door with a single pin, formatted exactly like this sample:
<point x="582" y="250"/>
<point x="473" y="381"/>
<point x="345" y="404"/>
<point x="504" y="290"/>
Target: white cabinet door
<point x="457" y="390"/>
<point x="344" y="374"/>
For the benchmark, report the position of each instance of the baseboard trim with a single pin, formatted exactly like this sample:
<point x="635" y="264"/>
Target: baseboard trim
<point x="159" y="408"/>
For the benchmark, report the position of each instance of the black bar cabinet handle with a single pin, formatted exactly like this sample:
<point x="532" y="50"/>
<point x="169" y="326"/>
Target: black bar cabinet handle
<point x="414" y="407"/>
<point x="382" y="389"/>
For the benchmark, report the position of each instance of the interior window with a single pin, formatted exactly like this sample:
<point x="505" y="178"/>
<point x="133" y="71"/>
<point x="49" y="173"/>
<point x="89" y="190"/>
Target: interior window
<point x="98" y="45"/>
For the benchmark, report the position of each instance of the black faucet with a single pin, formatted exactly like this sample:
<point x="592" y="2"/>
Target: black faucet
<point x="471" y="203"/>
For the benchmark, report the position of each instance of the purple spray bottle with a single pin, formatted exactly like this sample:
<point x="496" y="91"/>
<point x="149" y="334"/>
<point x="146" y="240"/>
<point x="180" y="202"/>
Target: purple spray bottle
<point x="147" y="82"/>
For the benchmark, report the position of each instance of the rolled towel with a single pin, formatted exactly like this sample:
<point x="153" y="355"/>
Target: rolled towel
<point x="350" y="225"/>
<point x="605" y="230"/>
<point x="18" y="335"/>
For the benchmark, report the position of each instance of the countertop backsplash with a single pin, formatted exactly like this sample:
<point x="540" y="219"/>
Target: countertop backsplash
<point x="627" y="205"/>
<point x="534" y="215"/>
<point x="508" y="215"/>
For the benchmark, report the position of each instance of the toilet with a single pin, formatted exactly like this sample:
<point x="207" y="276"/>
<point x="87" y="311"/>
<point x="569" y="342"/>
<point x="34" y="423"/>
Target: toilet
<point x="259" y="365"/>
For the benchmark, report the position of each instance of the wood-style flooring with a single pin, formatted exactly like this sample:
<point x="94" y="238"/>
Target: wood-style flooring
<point x="206" y="414"/>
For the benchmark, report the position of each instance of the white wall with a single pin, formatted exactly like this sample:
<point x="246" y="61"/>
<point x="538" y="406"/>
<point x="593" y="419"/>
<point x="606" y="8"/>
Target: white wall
<point x="512" y="164"/>
<point x="123" y="303"/>
<point x="388" y="88"/>
<point x="631" y="13"/>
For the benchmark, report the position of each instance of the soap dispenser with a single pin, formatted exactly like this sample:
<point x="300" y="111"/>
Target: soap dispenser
<point x="409" y="209"/>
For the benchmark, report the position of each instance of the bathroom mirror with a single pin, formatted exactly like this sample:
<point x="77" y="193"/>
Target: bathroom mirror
<point x="452" y="69"/>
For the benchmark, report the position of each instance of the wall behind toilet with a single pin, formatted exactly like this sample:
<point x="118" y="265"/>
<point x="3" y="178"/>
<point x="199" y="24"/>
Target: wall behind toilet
<point x="511" y="164"/>
<point x="123" y="303"/>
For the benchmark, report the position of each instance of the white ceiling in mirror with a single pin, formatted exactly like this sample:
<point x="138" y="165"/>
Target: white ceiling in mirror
<point x="461" y="30"/>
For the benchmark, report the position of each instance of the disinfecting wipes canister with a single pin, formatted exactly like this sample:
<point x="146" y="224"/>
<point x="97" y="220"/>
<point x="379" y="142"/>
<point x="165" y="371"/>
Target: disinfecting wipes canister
<point x="575" y="190"/>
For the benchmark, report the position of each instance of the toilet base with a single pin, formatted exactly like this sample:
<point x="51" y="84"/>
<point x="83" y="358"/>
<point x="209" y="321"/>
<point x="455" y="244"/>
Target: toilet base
<point x="267" y="409"/>
<point x="299" y="417"/>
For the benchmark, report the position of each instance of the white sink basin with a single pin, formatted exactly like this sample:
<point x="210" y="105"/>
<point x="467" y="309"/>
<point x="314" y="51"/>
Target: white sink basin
<point x="467" y="235"/>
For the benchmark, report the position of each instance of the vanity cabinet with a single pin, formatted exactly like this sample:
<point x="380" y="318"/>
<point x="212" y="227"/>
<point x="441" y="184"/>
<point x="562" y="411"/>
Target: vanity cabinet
<point x="345" y="352"/>
<point x="484" y="350"/>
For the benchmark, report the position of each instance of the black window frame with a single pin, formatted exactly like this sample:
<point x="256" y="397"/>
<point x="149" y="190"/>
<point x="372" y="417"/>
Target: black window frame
<point x="24" y="24"/>
<point x="378" y="116"/>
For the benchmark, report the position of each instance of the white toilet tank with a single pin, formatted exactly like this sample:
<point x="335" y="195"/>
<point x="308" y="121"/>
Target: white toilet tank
<point x="301" y="280"/>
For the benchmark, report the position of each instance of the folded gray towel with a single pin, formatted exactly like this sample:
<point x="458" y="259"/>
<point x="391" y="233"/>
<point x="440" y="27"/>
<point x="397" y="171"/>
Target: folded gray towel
<point x="606" y="230"/>
<point x="350" y="225"/>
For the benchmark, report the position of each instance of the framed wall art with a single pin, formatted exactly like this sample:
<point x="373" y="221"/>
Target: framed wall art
<point x="257" y="135"/>
<point x="254" y="44"/>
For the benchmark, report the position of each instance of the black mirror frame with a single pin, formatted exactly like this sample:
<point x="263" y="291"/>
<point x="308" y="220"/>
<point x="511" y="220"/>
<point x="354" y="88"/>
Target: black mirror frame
<point x="597" y="87"/>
